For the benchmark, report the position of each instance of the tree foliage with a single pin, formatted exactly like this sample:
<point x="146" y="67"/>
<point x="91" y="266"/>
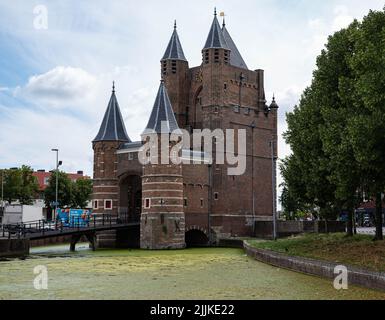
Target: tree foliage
<point x="74" y="194"/>
<point x="81" y="193"/>
<point x="337" y="132"/>
<point x="20" y="185"/>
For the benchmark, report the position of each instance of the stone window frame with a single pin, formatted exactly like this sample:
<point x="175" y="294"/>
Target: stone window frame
<point x="130" y="156"/>
<point x="216" y="196"/>
<point x="202" y="203"/>
<point x="105" y="204"/>
<point x="95" y="204"/>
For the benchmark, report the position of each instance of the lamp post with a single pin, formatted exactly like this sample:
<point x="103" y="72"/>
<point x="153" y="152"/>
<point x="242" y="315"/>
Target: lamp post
<point x="252" y="126"/>
<point x="273" y="181"/>
<point x="57" y="179"/>
<point x="2" y="191"/>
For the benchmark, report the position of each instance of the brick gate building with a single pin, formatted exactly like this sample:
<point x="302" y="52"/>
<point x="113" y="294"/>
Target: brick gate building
<point x="192" y="203"/>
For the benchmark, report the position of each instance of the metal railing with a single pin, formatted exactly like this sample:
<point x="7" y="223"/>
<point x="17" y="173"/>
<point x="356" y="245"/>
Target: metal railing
<point x="42" y="227"/>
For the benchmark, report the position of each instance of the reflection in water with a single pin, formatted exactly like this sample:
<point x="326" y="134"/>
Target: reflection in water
<point x="209" y="273"/>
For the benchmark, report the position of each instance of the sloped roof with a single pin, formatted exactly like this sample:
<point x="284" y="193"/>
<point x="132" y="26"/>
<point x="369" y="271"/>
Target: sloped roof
<point x="215" y="39"/>
<point x="162" y="113"/>
<point x="112" y="128"/>
<point x="235" y="57"/>
<point x="174" y="49"/>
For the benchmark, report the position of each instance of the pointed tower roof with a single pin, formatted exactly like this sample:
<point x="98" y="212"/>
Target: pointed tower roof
<point x="215" y="38"/>
<point x="174" y="49"/>
<point x="162" y="113"/>
<point x="112" y="128"/>
<point x="235" y="57"/>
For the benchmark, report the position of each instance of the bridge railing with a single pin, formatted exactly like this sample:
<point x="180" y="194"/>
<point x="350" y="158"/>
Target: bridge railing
<point x="22" y="230"/>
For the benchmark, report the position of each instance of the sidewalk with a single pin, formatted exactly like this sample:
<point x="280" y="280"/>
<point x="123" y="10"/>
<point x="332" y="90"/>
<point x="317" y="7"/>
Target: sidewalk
<point x="370" y="231"/>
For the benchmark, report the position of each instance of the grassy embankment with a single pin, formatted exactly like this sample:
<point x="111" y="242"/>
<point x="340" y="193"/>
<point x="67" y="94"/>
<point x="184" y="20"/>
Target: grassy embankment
<point x="359" y="251"/>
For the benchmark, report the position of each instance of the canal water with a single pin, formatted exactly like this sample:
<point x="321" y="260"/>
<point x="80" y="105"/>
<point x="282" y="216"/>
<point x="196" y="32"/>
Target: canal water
<point x="210" y="273"/>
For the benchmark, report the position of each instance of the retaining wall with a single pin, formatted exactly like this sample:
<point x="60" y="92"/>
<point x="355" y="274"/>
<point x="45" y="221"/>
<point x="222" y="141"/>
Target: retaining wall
<point x="14" y="248"/>
<point x="356" y="276"/>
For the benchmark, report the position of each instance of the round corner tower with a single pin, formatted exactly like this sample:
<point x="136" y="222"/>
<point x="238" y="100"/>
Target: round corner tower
<point x="162" y="224"/>
<point x="112" y="134"/>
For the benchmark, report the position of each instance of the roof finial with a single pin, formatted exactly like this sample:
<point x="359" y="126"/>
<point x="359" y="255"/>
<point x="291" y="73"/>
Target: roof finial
<point x="113" y="86"/>
<point x="215" y="11"/>
<point x="174" y="24"/>
<point x="223" y="23"/>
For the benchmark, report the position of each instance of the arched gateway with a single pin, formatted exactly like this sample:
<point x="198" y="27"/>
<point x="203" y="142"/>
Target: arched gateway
<point x="221" y="93"/>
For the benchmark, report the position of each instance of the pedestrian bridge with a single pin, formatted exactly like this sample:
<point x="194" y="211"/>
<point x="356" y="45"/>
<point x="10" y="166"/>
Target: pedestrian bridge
<point x="76" y="228"/>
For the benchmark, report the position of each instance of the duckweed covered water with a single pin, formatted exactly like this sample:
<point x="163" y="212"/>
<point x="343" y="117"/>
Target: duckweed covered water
<point x="211" y="273"/>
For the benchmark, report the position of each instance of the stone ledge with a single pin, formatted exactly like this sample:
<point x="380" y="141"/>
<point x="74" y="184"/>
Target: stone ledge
<point x="356" y="276"/>
<point x="14" y="248"/>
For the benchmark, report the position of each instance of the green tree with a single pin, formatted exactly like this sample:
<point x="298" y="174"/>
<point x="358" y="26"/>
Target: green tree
<point x="307" y="171"/>
<point x="337" y="133"/>
<point x="335" y="103"/>
<point x="20" y="185"/>
<point x="64" y="190"/>
<point x="81" y="193"/>
<point x="29" y="186"/>
<point x="367" y="128"/>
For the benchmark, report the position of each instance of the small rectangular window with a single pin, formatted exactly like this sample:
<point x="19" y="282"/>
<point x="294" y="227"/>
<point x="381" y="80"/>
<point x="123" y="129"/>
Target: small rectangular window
<point x="216" y="195"/>
<point x="95" y="204"/>
<point x="108" y="204"/>
<point x="147" y="203"/>
<point x="130" y="156"/>
<point x="201" y="202"/>
<point x="185" y="202"/>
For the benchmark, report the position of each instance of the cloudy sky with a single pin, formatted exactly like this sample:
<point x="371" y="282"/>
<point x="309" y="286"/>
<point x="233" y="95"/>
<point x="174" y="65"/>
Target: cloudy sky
<point x="55" y="82"/>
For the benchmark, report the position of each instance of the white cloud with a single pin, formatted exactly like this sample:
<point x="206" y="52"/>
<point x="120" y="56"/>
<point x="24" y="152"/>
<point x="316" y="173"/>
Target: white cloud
<point x="60" y="85"/>
<point x="342" y="18"/>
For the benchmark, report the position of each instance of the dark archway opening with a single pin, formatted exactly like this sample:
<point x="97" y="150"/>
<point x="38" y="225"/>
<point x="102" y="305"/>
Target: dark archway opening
<point x="130" y="200"/>
<point x="196" y="238"/>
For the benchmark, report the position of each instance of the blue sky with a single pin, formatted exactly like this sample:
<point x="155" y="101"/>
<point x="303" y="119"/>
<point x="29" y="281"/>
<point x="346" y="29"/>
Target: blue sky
<point x="55" y="83"/>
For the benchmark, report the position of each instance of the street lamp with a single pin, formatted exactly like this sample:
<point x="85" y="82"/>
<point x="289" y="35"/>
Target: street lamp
<point x="274" y="177"/>
<point x="57" y="178"/>
<point x="2" y="191"/>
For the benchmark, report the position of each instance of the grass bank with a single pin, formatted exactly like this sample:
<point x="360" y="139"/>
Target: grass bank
<point x="359" y="251"/>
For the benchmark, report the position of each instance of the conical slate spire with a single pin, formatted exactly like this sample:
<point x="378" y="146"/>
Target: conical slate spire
<point x="235" y="57"/>
<point x="174" y="49"/>
<point x="112" y="128"/>
<point x="215" y="38"/>
<point x="162" y="115"/>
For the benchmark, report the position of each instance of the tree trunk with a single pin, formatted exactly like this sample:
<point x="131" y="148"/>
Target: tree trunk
<point x="349" y="224"/>
<point x="378" y="219"/>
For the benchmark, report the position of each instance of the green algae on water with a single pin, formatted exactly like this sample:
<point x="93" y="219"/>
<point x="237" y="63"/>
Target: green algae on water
<point x="209" y="273"/>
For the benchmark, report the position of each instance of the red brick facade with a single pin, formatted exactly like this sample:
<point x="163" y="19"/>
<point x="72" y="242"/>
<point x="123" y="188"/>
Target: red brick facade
<point x="215" y="95"/>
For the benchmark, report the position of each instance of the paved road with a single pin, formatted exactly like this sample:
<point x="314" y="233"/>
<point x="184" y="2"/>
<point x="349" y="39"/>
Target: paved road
<point x="370" y="231"/>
